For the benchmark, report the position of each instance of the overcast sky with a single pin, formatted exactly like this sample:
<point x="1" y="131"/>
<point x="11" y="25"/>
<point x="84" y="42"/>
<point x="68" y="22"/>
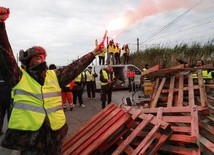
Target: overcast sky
<point x="67" y="29"/>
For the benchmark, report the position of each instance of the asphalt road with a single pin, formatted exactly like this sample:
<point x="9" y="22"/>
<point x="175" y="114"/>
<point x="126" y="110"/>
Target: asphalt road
<point x="78" y="116"/>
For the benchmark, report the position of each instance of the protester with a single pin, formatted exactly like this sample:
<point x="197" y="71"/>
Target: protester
<point x="90" y="82"/>
<point x="37" y="123"/>
<point x="102" y="57"/>
<point x="78" y="89"/>
<point x="111" y="51"/>
<point x="67" y="95"/>
<point x="107" y="79"/>
<point x="131" y="76"/>
<point x="126" y="52"/>
<point x="117" y="54"/>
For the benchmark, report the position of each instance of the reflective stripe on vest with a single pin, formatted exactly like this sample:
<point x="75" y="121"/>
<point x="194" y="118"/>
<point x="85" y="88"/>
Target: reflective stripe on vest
<point x="33" y="102"/>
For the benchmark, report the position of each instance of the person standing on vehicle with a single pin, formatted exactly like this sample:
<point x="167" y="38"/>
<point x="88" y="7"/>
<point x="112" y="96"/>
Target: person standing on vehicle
<point x="90" y="82"/>
<point x="102" y="57"/>
<point x="131" y="76"/>
<point x="107" y="79"/>
<point x="37" y="123"/>
<point x="117" y="54"/>
<point x="126" y="52"/>
<point x="111" y="51"/>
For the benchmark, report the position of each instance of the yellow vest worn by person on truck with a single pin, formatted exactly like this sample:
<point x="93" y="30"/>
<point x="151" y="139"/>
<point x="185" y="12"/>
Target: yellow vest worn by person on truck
<point x="32" y="102"/>
<point x="102" y="54"/>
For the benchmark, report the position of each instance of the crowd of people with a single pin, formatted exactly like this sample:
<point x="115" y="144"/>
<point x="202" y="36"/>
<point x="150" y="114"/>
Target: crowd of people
<point x="112" y="54"/>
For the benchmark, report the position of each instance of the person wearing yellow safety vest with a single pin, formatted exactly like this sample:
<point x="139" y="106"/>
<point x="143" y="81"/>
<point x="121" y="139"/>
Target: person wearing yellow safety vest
<point x="205" y="73"/>
<point x="102" y="57"/>
<point x="90" y="82"/>
<point x="107" y="79"/>
<point x="126" y="52"/>
<point x="146" y="66"/>
<point x="78" y="89"/>
<point x="37" y="123"/>
<point x="117" y="53"/>
<point x="111" y="51"/>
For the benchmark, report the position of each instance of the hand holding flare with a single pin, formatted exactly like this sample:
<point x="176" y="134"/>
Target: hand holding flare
<point x="100" y="46"/>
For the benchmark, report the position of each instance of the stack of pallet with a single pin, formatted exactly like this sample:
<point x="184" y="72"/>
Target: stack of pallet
<point x="178" y="120"/>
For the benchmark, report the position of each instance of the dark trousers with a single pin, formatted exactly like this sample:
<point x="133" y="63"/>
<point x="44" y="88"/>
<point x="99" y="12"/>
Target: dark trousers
<point x="117" y="58"/>
<point x="101" y="60"/>
<point x="106" y="91"/>
<point x="77" y="94"/>
<point x="131" y="84"/>
<point x="126" y="58"/>
<point x="5" y="101"/>
<point x="90" y="86"/>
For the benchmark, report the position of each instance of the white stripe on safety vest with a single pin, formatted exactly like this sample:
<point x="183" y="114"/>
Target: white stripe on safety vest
<point x="38" y="96"/>
<point x="35" y="108"/>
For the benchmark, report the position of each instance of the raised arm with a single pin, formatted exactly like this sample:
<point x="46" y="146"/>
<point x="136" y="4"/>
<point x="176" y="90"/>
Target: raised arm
<point x="9" y="68"/>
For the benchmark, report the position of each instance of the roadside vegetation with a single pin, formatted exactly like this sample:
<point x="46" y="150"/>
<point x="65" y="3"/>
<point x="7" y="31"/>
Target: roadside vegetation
<point x="168" y="57"/>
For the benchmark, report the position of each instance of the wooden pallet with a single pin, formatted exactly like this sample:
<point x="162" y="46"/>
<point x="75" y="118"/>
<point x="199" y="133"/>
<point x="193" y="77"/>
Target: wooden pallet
<point x="115" y="130"/>
<point x="184" y="123"/>
<point x="141" y="139"/>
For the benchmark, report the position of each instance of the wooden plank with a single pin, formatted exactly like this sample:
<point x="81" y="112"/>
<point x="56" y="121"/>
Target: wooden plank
<point x="171" y="91"/>
<point x="155" y="88"/>
<point x="101" y="135"/>
<point x="194" y="124"/>
<point x="134" y="133"/>
<point x="112" y="116"/>
<point x="180" y="92"/>
<point x="177" y="150"/>
<point x="88" y="126"/>
<point x="155" y="121"/>
<point x="202" y="89"/>
<point x="177" y="89"/>
<point x="183" y="138"/>
<point x="181" y="129"/>
<point x="191" y="91"/>
<point x="178" y="119"/>
<point x="209" y="145"/>
<point x="105" y="146"/>
<point x="155" y="100"/>
<point x="141" y="148"/>
<point x="150" y="70"/>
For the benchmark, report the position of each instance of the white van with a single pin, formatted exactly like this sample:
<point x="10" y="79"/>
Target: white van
<point x="120" y="74"/>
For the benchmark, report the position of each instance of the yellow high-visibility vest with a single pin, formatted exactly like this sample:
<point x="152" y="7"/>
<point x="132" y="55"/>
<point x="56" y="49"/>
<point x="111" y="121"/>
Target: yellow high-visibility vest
<point x="89" y="76"/>
<point x="79" y="78"/>
<point x="111" y="49"/>
<point x="117" y="50"/>
<point x="33" y="102"/>
<point x="105" y="75"/>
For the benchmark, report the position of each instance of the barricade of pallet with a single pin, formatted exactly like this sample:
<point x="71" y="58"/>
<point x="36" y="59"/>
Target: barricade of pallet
<point x="115" y="130"/>
<point x="184" y="123"/>
<point x="176" y="88"/>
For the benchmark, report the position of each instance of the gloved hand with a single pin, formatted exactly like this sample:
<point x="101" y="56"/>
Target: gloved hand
<point x="4" y="13"/>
